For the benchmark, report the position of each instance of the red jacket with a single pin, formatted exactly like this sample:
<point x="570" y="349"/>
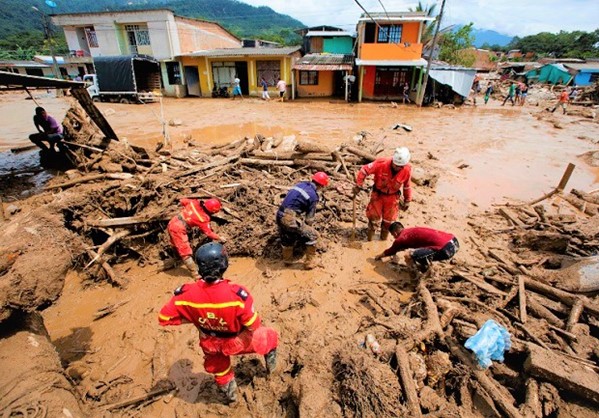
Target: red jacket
<point x="220" y="309"/>
<point x="194" y="215"/>
<point x="564" y="97"/>
<point x="419" y="237"/>
<point x="384" y="180"/>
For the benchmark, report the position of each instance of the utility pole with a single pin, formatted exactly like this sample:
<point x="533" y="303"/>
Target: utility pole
<point x="420" y="97"/>
<point x="48" y="37"/>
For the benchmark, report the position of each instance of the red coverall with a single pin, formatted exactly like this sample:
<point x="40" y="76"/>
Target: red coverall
<point x="224" y="314"/>
<point x="384" y="200"/>
<point x="191" y="215"/>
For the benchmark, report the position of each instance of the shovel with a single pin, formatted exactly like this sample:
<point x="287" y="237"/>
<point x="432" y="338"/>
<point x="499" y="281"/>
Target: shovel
<point x="352" y="242"/>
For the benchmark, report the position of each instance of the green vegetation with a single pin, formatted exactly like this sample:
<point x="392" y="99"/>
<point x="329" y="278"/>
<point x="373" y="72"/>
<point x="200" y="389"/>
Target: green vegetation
<point x="21" y="28"/>
<point x="577" y="44"/>
<point x="453" y="42"/>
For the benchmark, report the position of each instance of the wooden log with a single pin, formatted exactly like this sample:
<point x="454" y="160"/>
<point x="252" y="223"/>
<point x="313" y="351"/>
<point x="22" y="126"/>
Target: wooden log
<point x="407" y="381"/>
<point x="137" y="399"/>
<point x="112" y="277"/>
<point x="532" y="405"/>
<point x="482" y="285"/>
<point x="522" y="299"/>
<point x="2" y="215"/>
<point x="540" y="210"/>
<point x="432" y="326"/>
<point x="562" y="372"/>
<point x="591" y="198"/>
<point x="377" y="301"/>
<point x="290" y="155"/>
<point x="126" y="220"/>
<point x="542" y="312"/>
<point x="86" y="179"/>
<point x="360" y="153"/>
<point x="575" y="313"/>
<point x="87" y="104"/>
<point x="582" y="205"/>
<point x="504" y="401"/>
<point x="512" y="270"/>
<point x="107" y="244"/>
<point x="256" y="161"/>
<point x="510" y="217"/>
<point x="306" y="146"/>
<point x="338" y="157"/>
<point x="566" y="297"/>
<point x="223" y="162"/>
<point x="87" y="147"/>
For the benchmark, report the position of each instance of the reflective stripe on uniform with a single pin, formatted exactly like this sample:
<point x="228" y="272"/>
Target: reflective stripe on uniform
<point x="164" y="317"/>
<point x="302" y="192"/>
<point x="210" y="305"/>
<point x="223" y="373"/>
<point x="252" y="320"/>
<point x="195" y="211"/>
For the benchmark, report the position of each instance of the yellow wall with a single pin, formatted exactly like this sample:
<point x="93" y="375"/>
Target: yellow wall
<point x="324" y="87"/>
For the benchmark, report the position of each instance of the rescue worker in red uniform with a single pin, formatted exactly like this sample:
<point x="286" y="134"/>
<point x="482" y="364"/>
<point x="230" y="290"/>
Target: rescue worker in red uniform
<point x="195" y="213"/>
<point x="391" y="177"/>
<point x="430" y="245"/>
<point x="224" y="314"/>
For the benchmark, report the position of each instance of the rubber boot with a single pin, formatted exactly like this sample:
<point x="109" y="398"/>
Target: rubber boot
<point x="230" y="390"/>
<point x="271" y="361"/>
<point x="310" y="261"/>
<point x="287" y="254"/>
<point x="191" y="266"/>
<point x="370" y="231"/>
<point x="384" y="234"/>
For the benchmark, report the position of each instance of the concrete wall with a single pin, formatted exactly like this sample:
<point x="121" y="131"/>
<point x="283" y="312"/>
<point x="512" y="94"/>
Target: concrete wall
<point x="197" y="35"/>
<point x="324" y="88"/>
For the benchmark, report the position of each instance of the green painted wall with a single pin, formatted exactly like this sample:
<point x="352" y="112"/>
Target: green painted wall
<point x="342" y="45"/>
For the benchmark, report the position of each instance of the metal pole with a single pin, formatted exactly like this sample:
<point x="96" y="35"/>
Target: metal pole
<point x="430" y="57"/>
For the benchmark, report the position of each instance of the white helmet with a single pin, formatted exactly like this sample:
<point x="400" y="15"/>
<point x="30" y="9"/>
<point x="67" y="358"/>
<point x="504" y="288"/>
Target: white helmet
<point x="401" y="156"/>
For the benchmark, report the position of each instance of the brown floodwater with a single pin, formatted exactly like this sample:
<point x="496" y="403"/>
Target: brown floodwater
<point x="505" y="153"/>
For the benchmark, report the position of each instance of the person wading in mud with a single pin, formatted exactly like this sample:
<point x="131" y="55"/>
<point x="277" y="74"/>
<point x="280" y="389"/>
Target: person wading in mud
<point x="195" y="213"/>
<point x="391" y="177"/>
<point x="431" y="245"/>
<point x="295" y="216"/>
<point x="48" y="130"/>
<point x="224" y="314"/>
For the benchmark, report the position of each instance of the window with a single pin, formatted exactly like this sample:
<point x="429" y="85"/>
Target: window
<point x="173" y="71"/>
<point x="309" y="78"/>
<point x="92" y="39"/>
<point x="270" y="70"/>
<point x="389" y="34"/>
<point x="369" y="32"/>
<point x="223" y="73"/>
<point x="137" y="35"/>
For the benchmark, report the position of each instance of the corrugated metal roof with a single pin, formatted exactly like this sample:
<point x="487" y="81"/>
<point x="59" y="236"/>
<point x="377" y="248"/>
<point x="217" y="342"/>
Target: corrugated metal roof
<point x="241" y="52"/>
<point x="393" y="16"/>
<point x="328" y="33"/>
<point x="47" y="59"/>
<point x="325" y="62"/>
<point x="12" y="80"/>
<point x="393" y="63"/>
<point x="586" y="66"/>
<point x="25" y="64"/>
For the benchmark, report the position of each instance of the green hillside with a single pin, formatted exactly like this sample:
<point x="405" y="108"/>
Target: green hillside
<point x="21" y="26"/>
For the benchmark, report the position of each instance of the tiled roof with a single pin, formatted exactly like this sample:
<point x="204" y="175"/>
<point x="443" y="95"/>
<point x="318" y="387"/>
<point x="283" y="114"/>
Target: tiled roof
<point x="325" y="62"/>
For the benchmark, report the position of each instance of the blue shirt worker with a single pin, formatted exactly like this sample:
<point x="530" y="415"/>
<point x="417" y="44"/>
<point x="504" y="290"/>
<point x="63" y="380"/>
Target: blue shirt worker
<point x="295" y="215"/>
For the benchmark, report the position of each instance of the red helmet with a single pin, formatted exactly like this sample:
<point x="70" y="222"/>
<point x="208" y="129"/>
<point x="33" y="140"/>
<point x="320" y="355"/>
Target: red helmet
<point x="213" y="205"/>
<point x="321" y="178"/>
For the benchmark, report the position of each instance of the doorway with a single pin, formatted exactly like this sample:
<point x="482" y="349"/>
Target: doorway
<point x="241" y="68"/>
<point x="192" y="77"/>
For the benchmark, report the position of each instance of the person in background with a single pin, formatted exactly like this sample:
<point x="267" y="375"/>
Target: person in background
<point x="510" y="95"/>
<point x="430" y="245"/>
<point x="406" y="93"/>
<point x="282" y="88"/>
<point x="48" y="130"/>
<point x="488" y="92"/>
<point x="237" y="88"/>
<point x="264" y="84"/>
<point x="562" y="101"/>
<point x="523" y="93"/>
<point x="224" y="315"/>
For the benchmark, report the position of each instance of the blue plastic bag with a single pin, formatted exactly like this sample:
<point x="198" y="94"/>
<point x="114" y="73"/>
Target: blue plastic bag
<point x="489" y="343"/>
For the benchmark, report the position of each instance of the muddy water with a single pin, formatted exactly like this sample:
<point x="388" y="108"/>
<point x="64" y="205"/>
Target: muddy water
<point x="505" y="153"/>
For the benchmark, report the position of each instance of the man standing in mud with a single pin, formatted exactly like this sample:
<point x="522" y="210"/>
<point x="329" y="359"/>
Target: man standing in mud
<point x="391" y="177"/>
<point x="224" y="314"/>
<point x="195" y="213"/>
<point x="431" y="245"/>
<point x="48" y="129"/>
<point x="295" y="216"/>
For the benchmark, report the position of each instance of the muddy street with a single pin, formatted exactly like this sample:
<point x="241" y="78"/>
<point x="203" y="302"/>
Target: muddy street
<point x="106" y="333"/>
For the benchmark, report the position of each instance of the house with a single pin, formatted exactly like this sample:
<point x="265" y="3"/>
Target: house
<point x="585" y="74"/>
<point x="26" y="67"/>
<point x="483" y="60"/>
<point x="329" y="61"/>
<point x="514" y="54"/>
<point x="218" y="67"/>
<point x="155" y="32"/>
<point x="550" y="73"/>
<point x="66" y="68"/>
<point x="449" y="83"/>
<point x="389" y="53"/>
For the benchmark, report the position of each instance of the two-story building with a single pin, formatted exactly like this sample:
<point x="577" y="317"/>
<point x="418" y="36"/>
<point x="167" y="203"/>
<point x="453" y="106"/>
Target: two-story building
<point x="389" y="53"/>
<point x="329" y="59"/>
<point x="157" y="32"/>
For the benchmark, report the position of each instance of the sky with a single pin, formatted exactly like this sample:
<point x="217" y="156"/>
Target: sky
<point x="509" y="17"/>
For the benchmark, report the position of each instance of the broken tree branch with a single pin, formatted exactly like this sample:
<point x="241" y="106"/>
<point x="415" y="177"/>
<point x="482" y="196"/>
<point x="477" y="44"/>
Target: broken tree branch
<point x="407" y="380"/>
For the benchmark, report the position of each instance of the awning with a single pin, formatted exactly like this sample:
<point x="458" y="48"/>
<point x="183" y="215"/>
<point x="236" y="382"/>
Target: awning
<point x="460" y="80"/>
<point x="13" y="80"/>
<point x="421" y="62"/>
<point x="317" y="67"/>
<point x="325" y="62"/>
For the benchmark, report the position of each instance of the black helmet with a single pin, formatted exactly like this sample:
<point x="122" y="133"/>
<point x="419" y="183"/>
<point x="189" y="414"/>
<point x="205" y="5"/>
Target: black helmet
<point x="212" y="260"/>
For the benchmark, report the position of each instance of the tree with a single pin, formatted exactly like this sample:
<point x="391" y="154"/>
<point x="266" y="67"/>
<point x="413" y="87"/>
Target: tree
<point x="454" y="41"/>
<point x="429" y="27"/>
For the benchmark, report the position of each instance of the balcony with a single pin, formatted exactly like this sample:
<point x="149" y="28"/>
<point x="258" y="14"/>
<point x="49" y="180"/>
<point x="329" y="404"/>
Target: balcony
<point x="392" y="52"/>
<point x="78" y="56"/>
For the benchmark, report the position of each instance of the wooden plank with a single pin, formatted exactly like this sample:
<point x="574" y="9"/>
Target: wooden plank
<point x="522" y="299"/>
<point x="90" y="108"/>
<point x="125" y="221"/>
<point x="565" y="177"/>
<point x="562" y="372"/>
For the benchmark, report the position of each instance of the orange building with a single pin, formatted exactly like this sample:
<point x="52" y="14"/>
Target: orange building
<point x="389" y="53"/>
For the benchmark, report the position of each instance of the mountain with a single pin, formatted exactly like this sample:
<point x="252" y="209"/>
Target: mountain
<point x="483" y="36"/>
<point x="17" y="16"/>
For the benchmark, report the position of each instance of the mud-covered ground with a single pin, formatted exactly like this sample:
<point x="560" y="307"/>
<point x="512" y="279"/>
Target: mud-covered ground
<point x="485" y="155"/>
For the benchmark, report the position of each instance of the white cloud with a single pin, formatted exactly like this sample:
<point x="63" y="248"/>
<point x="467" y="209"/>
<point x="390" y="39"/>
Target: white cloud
<point x="511" y="17"/>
